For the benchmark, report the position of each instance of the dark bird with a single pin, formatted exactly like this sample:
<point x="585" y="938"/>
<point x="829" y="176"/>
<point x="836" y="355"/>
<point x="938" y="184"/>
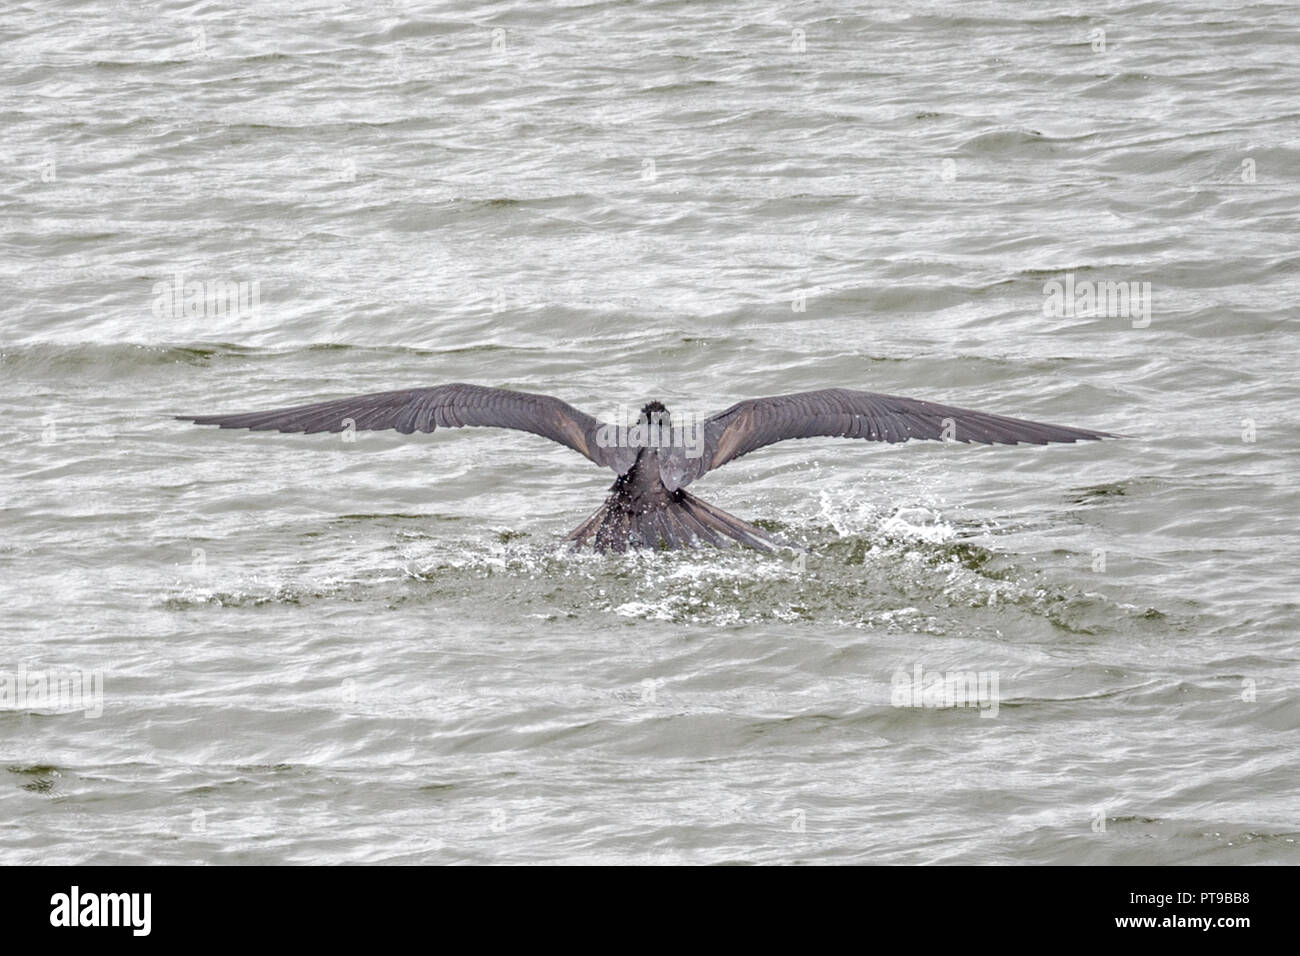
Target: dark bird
<point x="655" y="458"/>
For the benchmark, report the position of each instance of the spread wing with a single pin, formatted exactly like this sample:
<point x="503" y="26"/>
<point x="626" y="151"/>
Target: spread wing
<point x="449" y="406"/>
<point x="845" y="413"/>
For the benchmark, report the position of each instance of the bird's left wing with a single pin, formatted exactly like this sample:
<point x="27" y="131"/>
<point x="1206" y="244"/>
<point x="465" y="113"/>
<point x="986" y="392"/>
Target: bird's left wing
<point x="425" y="409"/>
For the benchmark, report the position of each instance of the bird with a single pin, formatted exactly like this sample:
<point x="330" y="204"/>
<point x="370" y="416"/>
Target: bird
<point x="655" y="458"/>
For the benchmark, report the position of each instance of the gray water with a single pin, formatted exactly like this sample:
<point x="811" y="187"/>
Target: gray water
<point x="316" y="651"/>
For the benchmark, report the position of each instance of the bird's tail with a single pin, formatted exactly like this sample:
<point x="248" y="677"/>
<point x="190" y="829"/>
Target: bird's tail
<point x="684" y="522"/>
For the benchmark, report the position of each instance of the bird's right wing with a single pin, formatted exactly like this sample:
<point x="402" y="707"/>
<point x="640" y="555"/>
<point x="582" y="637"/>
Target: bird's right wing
<point x="449" y="406"/>
<point x="846" y="413"/>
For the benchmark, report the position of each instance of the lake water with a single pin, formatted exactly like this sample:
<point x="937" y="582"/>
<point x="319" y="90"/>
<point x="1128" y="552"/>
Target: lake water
<point x="297" y="649"/>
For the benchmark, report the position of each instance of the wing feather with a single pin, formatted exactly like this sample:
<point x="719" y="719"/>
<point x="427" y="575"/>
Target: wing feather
<point x="846" y="413"/>
<point x="426" y="409"/>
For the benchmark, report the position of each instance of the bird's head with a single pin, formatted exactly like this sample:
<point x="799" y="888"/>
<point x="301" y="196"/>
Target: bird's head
<point x="655" y="414"/>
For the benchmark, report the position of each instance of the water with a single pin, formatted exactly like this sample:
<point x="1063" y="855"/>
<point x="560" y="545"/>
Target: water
<point x="321" y="652"/>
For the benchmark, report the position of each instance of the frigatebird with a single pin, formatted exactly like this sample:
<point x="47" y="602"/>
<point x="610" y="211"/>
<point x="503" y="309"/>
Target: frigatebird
<point x="655" y="459"/>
